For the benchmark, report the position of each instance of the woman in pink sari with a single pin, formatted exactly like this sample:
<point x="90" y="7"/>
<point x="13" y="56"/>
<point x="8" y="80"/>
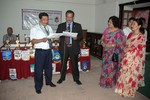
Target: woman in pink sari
<point x="113" y="40"/>
<point x="131" y="74"/>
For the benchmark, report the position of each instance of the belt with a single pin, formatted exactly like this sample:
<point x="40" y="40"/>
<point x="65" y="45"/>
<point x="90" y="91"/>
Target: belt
<point x="42" y="49"/>
<point x="68" y="45"/>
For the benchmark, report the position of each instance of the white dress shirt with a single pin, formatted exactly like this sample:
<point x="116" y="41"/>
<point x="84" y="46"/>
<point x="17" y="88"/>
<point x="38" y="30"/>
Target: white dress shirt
<point x="145" y="34"/>
<point x="38" y="32"/>
<point x="127" y="31"/>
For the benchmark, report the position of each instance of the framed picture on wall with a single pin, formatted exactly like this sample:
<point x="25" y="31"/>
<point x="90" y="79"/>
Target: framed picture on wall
<point x="30" y="17"/>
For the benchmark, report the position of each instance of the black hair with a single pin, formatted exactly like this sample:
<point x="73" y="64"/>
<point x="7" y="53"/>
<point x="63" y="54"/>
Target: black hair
<point x="116" y="21"/>
<point x="10" y="28"/>
<point x="42" y="14"/>
<point x="70" y="11"/>
<point x="132" y="18"/>
<point x="140" y="22"/>
<point x="143" y="19"/>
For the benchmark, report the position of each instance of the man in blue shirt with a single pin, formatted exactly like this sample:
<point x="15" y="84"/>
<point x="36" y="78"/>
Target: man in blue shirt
<point x="69" y="47"/>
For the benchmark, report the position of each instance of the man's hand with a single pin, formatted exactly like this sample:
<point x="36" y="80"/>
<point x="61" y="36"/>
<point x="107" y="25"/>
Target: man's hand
<point x="44" y="39"/>
<point x="75" y="38"/>
<point x="66" y="31"/>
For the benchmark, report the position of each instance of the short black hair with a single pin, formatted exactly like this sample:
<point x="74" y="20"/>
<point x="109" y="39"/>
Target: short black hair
<point x="132" y="18"/>
<point x="70" y="11"/>
<point x="115" y="20"/>
<point x="10" y="28"/>
<point x="42" y="14"/>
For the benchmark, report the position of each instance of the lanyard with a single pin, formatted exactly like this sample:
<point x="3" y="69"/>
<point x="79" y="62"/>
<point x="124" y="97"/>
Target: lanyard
<point x="44" y="30"/>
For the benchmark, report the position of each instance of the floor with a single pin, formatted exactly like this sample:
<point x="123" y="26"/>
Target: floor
<point x="90" y="90"/>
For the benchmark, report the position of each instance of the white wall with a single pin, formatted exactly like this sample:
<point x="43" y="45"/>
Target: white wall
<point x="104" y="9"/>
<point x="92" y="14"/>
<point x="10" y="13"/>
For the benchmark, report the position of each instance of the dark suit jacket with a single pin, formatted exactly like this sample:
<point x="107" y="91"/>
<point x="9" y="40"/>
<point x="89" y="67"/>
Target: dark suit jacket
<point x="76" y="27"/>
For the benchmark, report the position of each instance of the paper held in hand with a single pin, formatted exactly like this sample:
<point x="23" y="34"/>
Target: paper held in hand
<point x="54" y="35"/>
<point x="70" y="34"/>
<point x="57" y="35"/>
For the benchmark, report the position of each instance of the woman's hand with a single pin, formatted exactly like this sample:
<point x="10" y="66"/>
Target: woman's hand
<point x="109" y="45"/>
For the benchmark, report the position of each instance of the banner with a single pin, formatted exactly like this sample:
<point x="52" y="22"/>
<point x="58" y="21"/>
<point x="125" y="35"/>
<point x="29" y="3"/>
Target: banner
<point x="79" y="66"/>
<point x="12" y="74"/>
<point x="53" y="68"/>
<point x="84" y="52"/>
<point x="25" y="55"/>
<point x="32" y="68"/>
<point x="85" y="66"/>
<point x="32" y="53"/>
<point x="56" y="56"/>
<point x="6" y="54"/>
<point x="30" y="17"/>
<point x="17" y="54"/>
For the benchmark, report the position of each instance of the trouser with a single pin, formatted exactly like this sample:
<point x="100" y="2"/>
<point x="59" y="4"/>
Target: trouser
<point x="68" y="52"/>
<point x="43" y="61"/>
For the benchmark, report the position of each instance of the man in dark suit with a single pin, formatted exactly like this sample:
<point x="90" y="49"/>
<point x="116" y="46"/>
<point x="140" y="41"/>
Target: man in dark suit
<point x="69" y="47"/>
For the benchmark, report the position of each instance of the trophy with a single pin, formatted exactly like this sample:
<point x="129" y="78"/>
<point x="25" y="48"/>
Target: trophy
<point x="17" y="43"/>
<point x="27" y="40"/>
<point x="55" y="44"/>
<point x="7" y="45"/>
<point x="84" y="43"/>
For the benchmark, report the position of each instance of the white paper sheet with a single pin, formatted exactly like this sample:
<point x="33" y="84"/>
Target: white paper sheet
<point x="70" y="34"/>
<point x="57" y="35"/>
<point x="54" y="35"/>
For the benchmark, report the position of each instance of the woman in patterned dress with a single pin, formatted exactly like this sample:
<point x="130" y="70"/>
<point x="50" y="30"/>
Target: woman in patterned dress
<point x="112" y="41"/>
<point x="132" y="66"/>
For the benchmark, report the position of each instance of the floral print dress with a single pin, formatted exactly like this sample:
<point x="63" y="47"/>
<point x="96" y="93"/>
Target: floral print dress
<point x="131" y="74"/>
<point x="110" y="68"/>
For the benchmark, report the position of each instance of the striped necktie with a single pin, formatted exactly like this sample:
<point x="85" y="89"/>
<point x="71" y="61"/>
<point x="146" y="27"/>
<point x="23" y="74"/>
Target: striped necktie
<point x="68" y="38"/>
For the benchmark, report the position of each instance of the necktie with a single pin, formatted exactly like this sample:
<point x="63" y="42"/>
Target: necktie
<point x="46" y="30"/>
<point x="68" y="28"/>
<point x="49" y="41"/>
<point x="68" y="38"/>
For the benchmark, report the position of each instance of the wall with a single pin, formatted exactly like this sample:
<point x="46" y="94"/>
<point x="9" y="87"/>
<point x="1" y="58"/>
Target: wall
<point x="92" y="14"/>
<point x="10" y="13"/>
<point x="104" y="9"/>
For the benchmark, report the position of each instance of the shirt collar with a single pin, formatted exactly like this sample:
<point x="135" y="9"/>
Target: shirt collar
<point x="42" y="25"/>
<point x="9" y="35"/>
<point x="70" y="24"/>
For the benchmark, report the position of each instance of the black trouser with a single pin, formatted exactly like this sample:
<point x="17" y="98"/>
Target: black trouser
<point x="68" y="52"/>
<point x="43" y="61"/>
